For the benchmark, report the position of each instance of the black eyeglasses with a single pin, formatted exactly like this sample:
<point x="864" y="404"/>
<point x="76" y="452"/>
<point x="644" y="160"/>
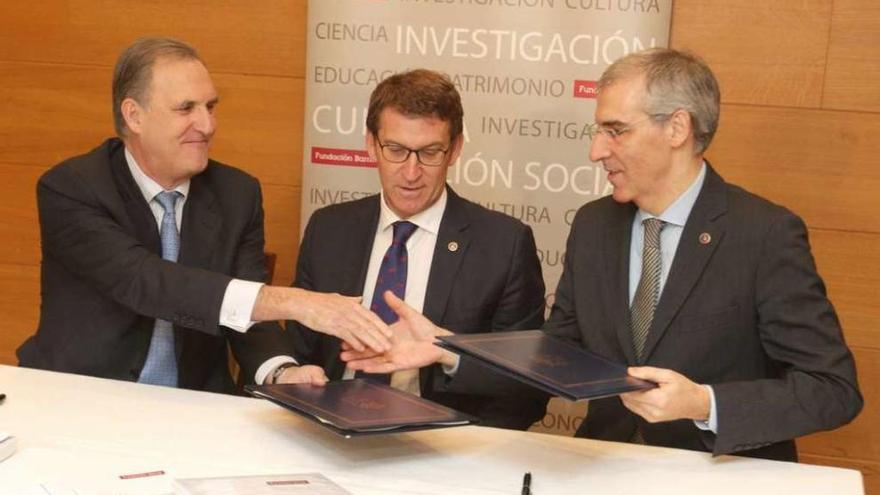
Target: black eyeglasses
<point x="615" y="131"/>
<point x="429" y="157"/>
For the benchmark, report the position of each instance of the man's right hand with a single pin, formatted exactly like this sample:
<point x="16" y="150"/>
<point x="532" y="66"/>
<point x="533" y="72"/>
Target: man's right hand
<point x="332" y="314"/>
<point x="412" y="344"/>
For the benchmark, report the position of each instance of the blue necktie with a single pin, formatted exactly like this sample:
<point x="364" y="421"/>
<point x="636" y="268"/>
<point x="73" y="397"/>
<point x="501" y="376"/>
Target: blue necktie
<point x="160" y="367"/>
<point x="392" y="272"/>
<point x="392" y="276"/>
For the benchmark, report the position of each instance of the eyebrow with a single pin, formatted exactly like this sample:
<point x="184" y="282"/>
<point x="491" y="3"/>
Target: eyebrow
<point x="185" y="103"/>
<point x="393" y="142"/>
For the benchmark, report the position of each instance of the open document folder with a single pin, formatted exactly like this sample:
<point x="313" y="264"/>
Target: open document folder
<point x="361" y="407"/>
<point x="553" y="365"/>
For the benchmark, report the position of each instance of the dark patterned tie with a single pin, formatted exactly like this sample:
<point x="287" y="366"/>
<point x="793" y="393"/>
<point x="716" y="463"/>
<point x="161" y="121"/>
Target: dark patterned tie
<point x="648" y="291"/>
<point x="160" y="368"/>
<point x="392" y="276"/>
<point x="392" y="272"/>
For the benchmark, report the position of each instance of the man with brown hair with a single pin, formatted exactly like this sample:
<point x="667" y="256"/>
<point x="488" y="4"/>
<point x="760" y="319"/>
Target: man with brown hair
<point x="466" y="268"/>
<point x="153" y="253"/>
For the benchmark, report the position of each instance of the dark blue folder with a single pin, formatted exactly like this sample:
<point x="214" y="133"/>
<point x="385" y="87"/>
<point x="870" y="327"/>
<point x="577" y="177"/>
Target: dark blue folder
<point x="547" y="363"/>
<point x="361" y="407"/>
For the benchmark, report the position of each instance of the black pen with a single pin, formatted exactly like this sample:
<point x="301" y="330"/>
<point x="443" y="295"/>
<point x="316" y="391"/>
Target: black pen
<point x="2" y="398"/>
<point x="527" y="484"/>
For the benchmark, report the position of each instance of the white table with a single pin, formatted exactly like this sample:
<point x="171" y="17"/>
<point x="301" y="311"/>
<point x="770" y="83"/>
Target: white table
<point x="82" y="433"/>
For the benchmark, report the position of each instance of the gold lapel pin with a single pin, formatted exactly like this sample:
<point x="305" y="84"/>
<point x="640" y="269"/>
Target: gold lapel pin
<point x="705" y="238"/>
<point x="452" y="246"/>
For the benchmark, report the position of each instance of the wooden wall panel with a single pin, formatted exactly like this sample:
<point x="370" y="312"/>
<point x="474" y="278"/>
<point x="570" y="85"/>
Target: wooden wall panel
<point x="20" y="287"/>
<point x="233" y="36"/>
<point x="853" y="75"/>
<point x="782" y="66"/>
<point x="19" y="229"/>
<point x="52" y="112"/>
<point x="820" y="164"/>
<point x="260" y="126"/>
<point x="766" y="53"/>
<point x="849" y="262"/>
<point x="282" y="205"/>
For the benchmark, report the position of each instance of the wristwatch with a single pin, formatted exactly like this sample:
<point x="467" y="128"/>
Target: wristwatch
<point x="273" y="378"/>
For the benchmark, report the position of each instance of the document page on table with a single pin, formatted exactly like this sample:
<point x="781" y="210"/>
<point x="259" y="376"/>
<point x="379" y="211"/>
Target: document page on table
<point x="301" y="484"/>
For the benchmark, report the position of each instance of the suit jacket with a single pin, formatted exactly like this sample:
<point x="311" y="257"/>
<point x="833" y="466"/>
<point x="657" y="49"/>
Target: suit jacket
<point x="491" y="283"/>
<point x="103" y="281"/>
<point x="745" y="312"/>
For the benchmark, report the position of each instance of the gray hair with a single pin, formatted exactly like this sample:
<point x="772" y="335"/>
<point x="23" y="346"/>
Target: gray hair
<point x="673" y="80"/>
<point x="134" y="71"/>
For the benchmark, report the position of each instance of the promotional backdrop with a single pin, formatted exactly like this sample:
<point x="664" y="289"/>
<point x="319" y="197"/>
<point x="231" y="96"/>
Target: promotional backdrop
<point x="526" y="71"/>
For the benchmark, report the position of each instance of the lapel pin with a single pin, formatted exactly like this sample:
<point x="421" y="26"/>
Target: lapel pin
<point x="705" y="238"/>
<point x="452" y="246"/>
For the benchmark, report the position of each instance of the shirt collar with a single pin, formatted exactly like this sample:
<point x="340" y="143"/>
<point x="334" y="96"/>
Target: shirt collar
<point x="677" y="213"/>
<point x="148" y="187"/>
<point x="428" y="219"/>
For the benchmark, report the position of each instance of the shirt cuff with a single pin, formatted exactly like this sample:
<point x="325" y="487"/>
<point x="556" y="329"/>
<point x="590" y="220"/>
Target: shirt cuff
<point x="269" y="366"/>
<point x="712" y="423"/>
<point x="452" y="370"/>
<point x="238" y="304"/>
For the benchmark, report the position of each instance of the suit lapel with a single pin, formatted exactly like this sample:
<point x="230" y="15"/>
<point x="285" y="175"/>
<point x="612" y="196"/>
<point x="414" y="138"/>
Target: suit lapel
<point x="692" y="255"/>
<point x="618" y="232"/>
<point x="445" y="265"/>
<point x="138" y="219"/>
<point x="361" y="233"/>
<point x="447" y="261"/>
<point x="201" y="226"/>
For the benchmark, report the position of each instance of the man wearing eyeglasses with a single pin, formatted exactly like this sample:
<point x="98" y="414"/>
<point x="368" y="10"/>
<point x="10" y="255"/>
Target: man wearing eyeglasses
<point x="700" y="286"/>
<point x="465" y="267"/>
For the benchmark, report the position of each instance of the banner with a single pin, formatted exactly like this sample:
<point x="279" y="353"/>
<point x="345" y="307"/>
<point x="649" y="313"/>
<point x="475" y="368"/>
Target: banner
<point x="526" y="71"/>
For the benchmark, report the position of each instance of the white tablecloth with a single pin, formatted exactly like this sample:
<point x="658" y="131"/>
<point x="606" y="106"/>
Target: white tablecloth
<point x="78" y="434"/>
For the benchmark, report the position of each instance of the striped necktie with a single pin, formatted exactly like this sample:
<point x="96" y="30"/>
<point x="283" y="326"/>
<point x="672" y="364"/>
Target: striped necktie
<point x="648" y="291"/>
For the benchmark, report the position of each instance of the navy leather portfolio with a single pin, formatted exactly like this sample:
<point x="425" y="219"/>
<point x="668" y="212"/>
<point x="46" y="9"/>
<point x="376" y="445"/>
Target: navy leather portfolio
<point x="550" y="364"/>
<point x="361" y="407"/>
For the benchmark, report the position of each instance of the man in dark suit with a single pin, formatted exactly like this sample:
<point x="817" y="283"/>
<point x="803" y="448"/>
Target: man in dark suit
<point x="468" y="269"/>
<point x="153" y="254"/>
<point x="702" y="287"/>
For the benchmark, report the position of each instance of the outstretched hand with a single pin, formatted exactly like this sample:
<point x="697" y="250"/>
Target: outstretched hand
<point x="332" y="314"/>
<point x="412" y="344"/>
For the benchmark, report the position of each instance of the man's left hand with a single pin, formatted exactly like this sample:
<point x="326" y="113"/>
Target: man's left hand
<point x="676" y="397"/>
<point x="311" y="374"/>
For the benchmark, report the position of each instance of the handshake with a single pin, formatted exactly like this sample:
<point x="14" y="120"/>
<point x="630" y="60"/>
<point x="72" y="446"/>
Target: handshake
<point x="368" y="344"/>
